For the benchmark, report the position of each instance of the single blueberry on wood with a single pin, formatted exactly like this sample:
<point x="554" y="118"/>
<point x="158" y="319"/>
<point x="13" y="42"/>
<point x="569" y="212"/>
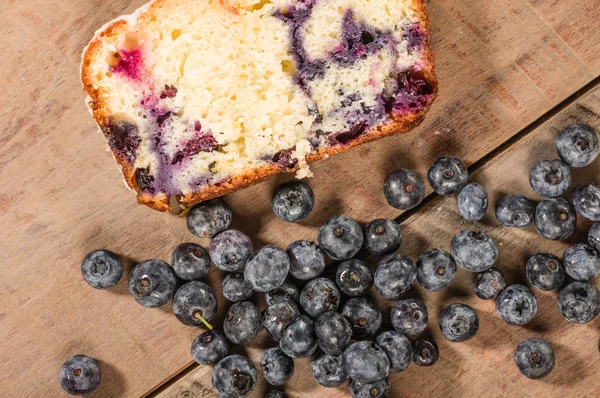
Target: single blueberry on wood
<point x="550" y="178"/>
<point x="474" y="251"/>
<point x="447" y="175"/>
<point x="579" y="302"/>
<point x="364" y="317"/>
<point x="306" y="259"/>
<point x="267" y="268"/>
<point x="152" y="283"/>
<point x="329" y="370"/>
<point x="293" y="201"/>
<point x="555" y="219"/>
<point x="398" y="349"/>
<point x="235" y="288"/>
<point x="208" y="218"/>
<point x="404" y="189"/>
<point x="102" y="269"/>
<point x="230" y="249"/>
<point x="333" y="332"/>
<point x="473" y="202"/>
<point x="577" y="145"/>
<point x="436" y="269"/>
<point x="234" y="376"/>
<point x="586" y="200"/>
<point x="354" y="278"/>
<point x="299" y="340"/>
<point x="195" y="304"/>
<point x="377" y="389"/>
<point x="210" y="347"/>
<point x="277" y="368"/>
<point x="489" y="283"/>
<point x="340" y="238"/>
<point x="534" y="358"/>
<point x="278" y="316"/>
<point x="516" y="305"/>
<point x="242" y="323"/>
<point x="382" y="236"/>
<point x="190" y="261"/>
<point x="395" y="275"/>
<point x="459" y="322"/>
<point x="80" y="375"/>
<point x="545" y="271"/>
<point x="515" y="211"/>
<point x="425" y="352"/>
<point x="366" y="362"/>
<point x="409" y="316"/>
<point x="581" y="262"/>
<point x="318" y="296"/>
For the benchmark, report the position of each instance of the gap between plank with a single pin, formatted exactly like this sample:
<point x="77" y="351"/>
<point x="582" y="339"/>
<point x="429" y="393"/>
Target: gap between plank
<point x="485" y="159"/>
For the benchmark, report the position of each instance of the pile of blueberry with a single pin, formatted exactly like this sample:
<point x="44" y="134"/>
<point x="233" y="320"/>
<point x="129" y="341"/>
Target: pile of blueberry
<point x="333" y="321"/>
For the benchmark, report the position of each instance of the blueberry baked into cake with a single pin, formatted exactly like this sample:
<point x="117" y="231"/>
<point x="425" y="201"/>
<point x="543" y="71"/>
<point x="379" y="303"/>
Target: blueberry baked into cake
<point x="198" y="98"/>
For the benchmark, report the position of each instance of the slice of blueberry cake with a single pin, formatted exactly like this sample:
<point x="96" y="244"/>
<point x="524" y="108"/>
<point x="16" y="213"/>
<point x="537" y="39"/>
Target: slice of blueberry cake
<point x="198" y="98"/>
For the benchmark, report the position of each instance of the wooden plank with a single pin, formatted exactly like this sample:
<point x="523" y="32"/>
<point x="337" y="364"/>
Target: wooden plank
<point x="501" y="65"/>
<point x="482" y="366"/>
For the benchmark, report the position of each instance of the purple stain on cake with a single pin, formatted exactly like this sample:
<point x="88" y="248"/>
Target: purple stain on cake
<point x="123" y="139"/>
<point x="415" y="36"/>
<point x="408" y="92"/>
<point x="284" y="158"/>
<point x="203" y="143"/>
<point x="346" y="137"/>
<point x="169" y="92"/>
<point x="129" y="64"/>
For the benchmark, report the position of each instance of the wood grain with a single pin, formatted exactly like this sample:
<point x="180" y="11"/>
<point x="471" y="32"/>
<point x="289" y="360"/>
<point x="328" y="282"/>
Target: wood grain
<point x="501" y="66"/>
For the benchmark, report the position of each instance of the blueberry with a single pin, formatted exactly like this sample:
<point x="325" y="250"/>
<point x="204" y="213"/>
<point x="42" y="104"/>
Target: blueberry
<point x="208" y="218"/>
<point x="516" y="305"/>
<point x="404" y="189"/>
<point x="306" y="259"/>
<point x="474" y="251"/>
<point x="299" y="340"/>
<point x="234" y="376"/>
<point x="277" y="317"/>
<point x="473" y="202"/>
<point x="318" y="296"/>
<point x="102" y="269"/>
<point x="398" y="349"/>
<point x="190" y="261"/>
<point x="436" y="269"/>
<point x="195" y="303"/>
<point x="286" y="290"/>
<point x="366" y="362"/>
<point x="534" y="358"/>
<point x="395" y="275"/>
<point x="210" y="347"/>
<point x="275" y="394"/>
<point x="340" y="238"/>
<point x="586" y="200"/>
<point x="581" y="262"/>
<point x="329" y="370"/>
<point x="489" y="283"/>
<point x="425" y="352"/>
<point x="459" y="322"/>
<point x="577" y="145"/>
<point x="579" y="302"/>
<point x="515" y="211"/>
<point x="594" y="236"/>
<point x="409" y="316"/>
<point x="354" y="278"/>
<point x="230" y="249"/>
<point x="152" y="283"/>
<point x="333" y="332"/>
<point x="364" y="317"/>
<point x="550" y="178"/>
<point x="555" y="219"/>
<point x="242" y="323"/>
<point x="382" y="236"/>
<point x="235" y="288"/>
<point x="447" y="175"/>
<point x="377" y="389"/>
<point x="267" y="268"/>
<point x="276" y="366"/>
<point x="79" y="375"/>
<point x="293" y="201"/>
<point x="545" y="271"/>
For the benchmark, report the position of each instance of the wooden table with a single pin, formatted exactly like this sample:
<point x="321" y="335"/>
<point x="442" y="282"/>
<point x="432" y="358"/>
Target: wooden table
<point x="512" y="72"/>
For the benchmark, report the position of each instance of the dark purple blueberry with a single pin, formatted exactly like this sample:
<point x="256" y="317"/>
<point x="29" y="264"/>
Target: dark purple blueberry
<point x="102" y="269"/>
<point x="377" y="389"/>
<point x="545" y="271"/>
<point x="555" y="219"/>
<point x="398" y="349"/>
<point x="333" y="332"/>
<point x="152" y="283"/>
<point x="581" y="262"/>
<point x="210" y="347"/>
<point x="474" y="251"/>
<point x="447" y="175"/>
<point x="278" y="316"/>
<point x="354" y="278"/>
<point x="318" y="296"/>
<point x="550" y="178"/>
<point x="382" y="236"/>
<point x="277" y="367"/>
<point x="306" y="259"/>
<point x="459" y="322"/>
<point x="577" y="145"/>
<point x="208" y="218"/>
<point x="473" y="202"/>
<point x="409" y="316"/>
<point x="594" y="236"/>
<point x="407" y="93"/>
<point x="515" y="211"/>
<point x="404" y="189"/>
<point x="329" y="370"/>
<point x="436" y="269"/>
<point x="275" y="394"/>
<point x="286" y="290"/>
<point x="293" y="201"/>
<point x="579" y="302"/>
<point x="586" y="200"/>
<point x="534" y="358"/>
<point x="234" y="376"/>
<point x="201" y="143"/>
<point x="299" y="340"/>
<point x="425" y="352"/>
<point x="80" y="375"/>
<point x="395" y="275"/>
<point x="340" y="238"/>
<point x="190" y="261"/>
<point x="366" y="362"/>
<point x="516" y="305"/>
<point x="144" y="180"/>
<point x="123" y="138"/>
<point x="267" y="268"/>
<point x="242" y="323"/>
<point x="195" y="303"/>
<point x="364" y="317"/>
<point x="489" y="283"/>
<point x="235" y="288"/>
<point x="230" y="249"/>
